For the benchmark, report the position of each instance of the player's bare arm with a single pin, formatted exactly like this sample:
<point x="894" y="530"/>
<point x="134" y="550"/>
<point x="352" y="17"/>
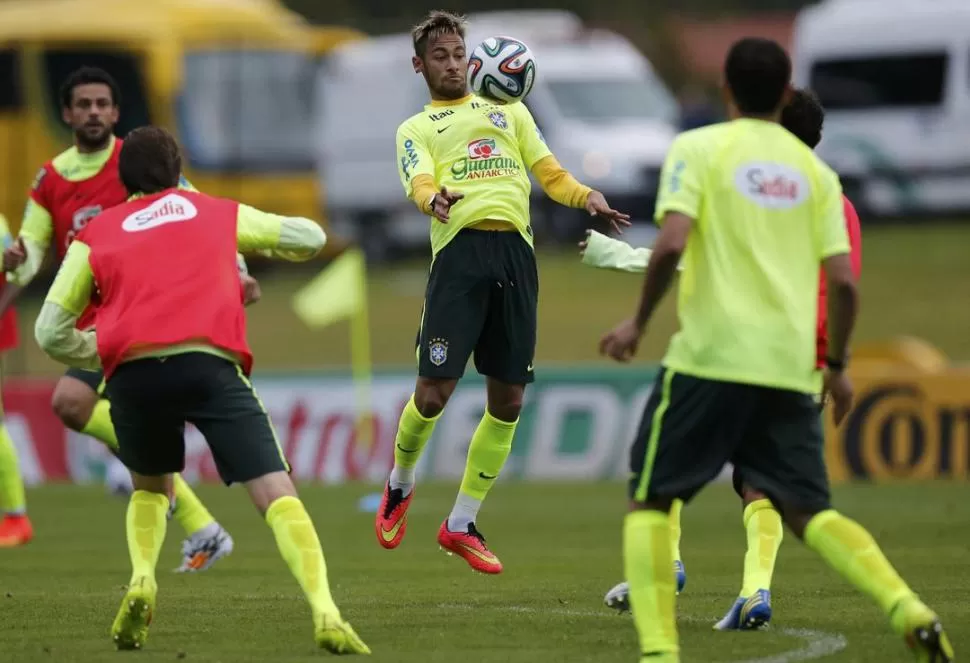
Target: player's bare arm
<point x="843" y="305"/>
<point x="621" y="343"/>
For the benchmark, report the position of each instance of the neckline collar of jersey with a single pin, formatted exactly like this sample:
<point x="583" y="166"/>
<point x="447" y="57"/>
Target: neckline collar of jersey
<point x="96" y="156"/>
<point x="147" y="195"/>
<point x="451" y="102"/>
<point x="756" y="120"/>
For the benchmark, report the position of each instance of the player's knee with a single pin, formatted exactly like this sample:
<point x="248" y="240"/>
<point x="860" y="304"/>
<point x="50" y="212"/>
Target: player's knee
<point x="73" y="404"/>
<point x="505" y="400"/>
<point x="431" y="396"/>
<point x="508" y="411"/>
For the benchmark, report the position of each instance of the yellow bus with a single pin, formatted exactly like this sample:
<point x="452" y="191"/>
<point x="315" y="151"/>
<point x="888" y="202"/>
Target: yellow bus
<point x="232" y="78"/>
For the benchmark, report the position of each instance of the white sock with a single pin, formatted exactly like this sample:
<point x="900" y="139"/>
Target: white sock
<point x="465" y="511"/>
<point x="402" y="478"/>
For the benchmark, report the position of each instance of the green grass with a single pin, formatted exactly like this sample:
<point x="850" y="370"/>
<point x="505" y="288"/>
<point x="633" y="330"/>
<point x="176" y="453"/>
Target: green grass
<point x="561" y="548"/>
<point x="915" y="280"/>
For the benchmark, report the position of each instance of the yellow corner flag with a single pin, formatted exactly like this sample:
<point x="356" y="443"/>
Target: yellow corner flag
<point x="337" y="293"/>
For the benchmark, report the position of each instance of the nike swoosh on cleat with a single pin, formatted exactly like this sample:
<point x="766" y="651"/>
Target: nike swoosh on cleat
<point x="485" y="557"/>
<point x="389" y="534"/>
<point x="407" y="451"/>
<point x="487" y="477"/>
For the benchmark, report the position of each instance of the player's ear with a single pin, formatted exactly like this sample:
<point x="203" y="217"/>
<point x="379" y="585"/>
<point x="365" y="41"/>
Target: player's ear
<point x="418" y="64"/>
<point x="66" y="115"/>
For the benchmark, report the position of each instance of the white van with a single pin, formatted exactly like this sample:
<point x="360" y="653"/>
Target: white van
<point x="603" y="111"/>
<point x="894" y="78"/>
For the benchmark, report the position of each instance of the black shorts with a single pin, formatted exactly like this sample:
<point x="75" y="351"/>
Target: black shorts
<point x="152" y="398"/>
<point x="691" y="427"/>
<point x="93" y="379"/>
<point x="481" y="299"/>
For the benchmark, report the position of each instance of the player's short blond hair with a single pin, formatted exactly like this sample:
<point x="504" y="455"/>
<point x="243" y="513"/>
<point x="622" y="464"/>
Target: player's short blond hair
<point x="436" y="24"/>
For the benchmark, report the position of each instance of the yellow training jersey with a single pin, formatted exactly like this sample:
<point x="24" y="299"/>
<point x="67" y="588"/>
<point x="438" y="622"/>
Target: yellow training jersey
<point x="766" y="212"/>
<point x="477" y="148"/>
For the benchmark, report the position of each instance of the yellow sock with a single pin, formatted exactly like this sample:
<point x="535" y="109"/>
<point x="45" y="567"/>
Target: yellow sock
<point x="763" y="526"/>
<point x="300" y="547"/>
<point x="190" y="513"/>
<point x="675" y="509"/>
<point x="99" y="426"/>
<point x="850" y="549"/>
<point x="145" y="524"/>
<point x="647" y="561"/>
<point x="487" y="453"/>
<point x="413" y="433"/>
<point x="12" y="498"/>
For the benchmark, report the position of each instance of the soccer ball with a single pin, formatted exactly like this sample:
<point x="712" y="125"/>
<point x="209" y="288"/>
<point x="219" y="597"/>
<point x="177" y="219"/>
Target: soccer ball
<point x="502" y="69"/>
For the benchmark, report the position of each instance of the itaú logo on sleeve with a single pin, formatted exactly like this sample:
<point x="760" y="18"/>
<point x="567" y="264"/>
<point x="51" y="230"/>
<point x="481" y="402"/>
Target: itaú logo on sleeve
<point x="771" y="185"/>
<point x="168" y="209"/>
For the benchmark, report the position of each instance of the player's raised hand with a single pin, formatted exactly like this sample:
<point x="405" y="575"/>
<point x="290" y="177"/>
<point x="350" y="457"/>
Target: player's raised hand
<point x="14" y="256"/>
<point x="837" y="388"/>
<point x="596" y="205"/>
<point x="443" y="202"/>
<point x="583" y="245"/>
<point x="621" y="344"/>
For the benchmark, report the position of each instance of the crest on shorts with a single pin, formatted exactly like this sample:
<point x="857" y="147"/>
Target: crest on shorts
<point x="438" y="351"/>
<point x="498" y="119"/>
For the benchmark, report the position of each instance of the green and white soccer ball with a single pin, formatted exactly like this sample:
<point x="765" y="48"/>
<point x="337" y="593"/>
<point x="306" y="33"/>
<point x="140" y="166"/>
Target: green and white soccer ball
<point x="502" y="69"/>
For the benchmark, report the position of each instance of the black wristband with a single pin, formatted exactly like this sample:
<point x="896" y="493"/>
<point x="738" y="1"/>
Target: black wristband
<point x="834" y="365"/>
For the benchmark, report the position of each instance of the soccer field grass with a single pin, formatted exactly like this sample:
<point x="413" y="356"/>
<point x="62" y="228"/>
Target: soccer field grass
<point x="561" y="548"/>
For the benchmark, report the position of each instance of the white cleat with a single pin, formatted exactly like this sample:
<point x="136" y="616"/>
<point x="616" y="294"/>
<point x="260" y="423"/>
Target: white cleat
<point x="618" y="598"/>
<point x="204" y="548"/>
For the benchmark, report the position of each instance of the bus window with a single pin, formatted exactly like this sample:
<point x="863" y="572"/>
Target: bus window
<point x="248" y="110"/>
<point x="908" y="80"/>
<point x="11" y="93"/>
<point x="124" y="67"/>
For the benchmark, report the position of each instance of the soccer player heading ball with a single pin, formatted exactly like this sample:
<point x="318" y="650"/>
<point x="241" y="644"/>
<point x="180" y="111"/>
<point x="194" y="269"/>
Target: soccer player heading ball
<point x="171" y="338"/>
<point x="752" y="213"/>
<point x="465" y="162"/>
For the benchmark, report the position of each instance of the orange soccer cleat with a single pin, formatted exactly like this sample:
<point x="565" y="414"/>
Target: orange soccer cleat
<point x="470" y="546"/>
<point x="15" y="530"/>
<point x="392" y="517"/>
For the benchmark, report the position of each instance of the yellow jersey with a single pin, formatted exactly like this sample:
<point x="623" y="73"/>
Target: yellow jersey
<point x="766" y="212"/>
<point x="478" y="148"/>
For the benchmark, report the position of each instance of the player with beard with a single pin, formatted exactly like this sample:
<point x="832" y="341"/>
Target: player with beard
<point x="483" y="289"/>
<point x="68" y="191"/>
